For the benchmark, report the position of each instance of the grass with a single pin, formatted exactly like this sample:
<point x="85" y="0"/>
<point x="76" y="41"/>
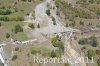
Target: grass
<point x="7" y="28"/>
<point x="22" y="36"/>
<point x="11" y="24"/>
<point x="23" y="8"/>
<point x="41" y="50"/>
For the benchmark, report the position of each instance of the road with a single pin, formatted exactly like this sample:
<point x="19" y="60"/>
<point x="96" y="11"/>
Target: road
<point x="1" y="57"/>
<point x="40" y="12"/>
<point x="71" y="52"/>
<point x="51" y="29"/>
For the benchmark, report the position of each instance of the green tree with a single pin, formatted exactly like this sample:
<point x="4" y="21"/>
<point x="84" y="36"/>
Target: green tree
<point x="18" y="28"/>
<point x="53" y="54"/>
<point x="19" y="18"/>
<point x="90" y="54"/>
<point x="48" y="12"/>
<point x="60" y="45"/>
<point x="7" y="12"/>
<point x="38" y="26"/>
<point x="98" y="62"/>
<point x="0" y="24"/>
<point x="54" y="21"/>
<point x="83" y="41"/>
<point x="4" y="18"/>
<point x="54" y="40"/>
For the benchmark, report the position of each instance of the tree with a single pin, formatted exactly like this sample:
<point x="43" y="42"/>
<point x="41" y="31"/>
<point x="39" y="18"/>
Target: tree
<point x="53" y="41"/>
<point x="29" y="0"/>
<point x="7" y="35"/>
<point x="98" y="61"/>
<point x="4" y="18"/>
<point x="93" y="41"/>
<point x="53" y="54"/>
<point x="60" y="45"/>
<point x="0" y="24"/>
<point x="31" y="25"/>
<point x="18" y="28"/>
<point x="7" y="12"/>
<point x="81" y="23"/>
<point x="34" y="51"/>
<point x="54" y="21"/>
<point x="83" y="41"/>
<point x="38" y="26"/>
<point x="98" y="52"/>
<point x="48" y="12"/>
<point x="90" y="54"/>
<point x="66" y="64"/>
<point x="19" y="18"/>
<point x="24" y="0"/>
<point x="92" y="1"/>
<point x="66" y="24"/>
<point x="73" y="24"/>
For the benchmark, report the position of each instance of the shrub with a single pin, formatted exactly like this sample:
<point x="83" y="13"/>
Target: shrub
<point x="81" y="23"/>
<point x="92" y="1"/>
<point x="83" y="48"/>
<point x="58" y="3"/>
<point x="29" y="0"/>
<point x="14" y="57"/>
<point x="66" y="64"/>
<point x="16" y="48"/>
<point x="83" y="41"/>
<point x="34" y="51"/>
<point x="7" y="35"/>
<point x="93" y="41"/>
<point x="98" y="52"/>
<point x="31" y="25"/>
<point x="4" y="18"/>
<point x="19" y="18"/>
<point x="60" y="45"/>
<point x="5" y="12"/>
